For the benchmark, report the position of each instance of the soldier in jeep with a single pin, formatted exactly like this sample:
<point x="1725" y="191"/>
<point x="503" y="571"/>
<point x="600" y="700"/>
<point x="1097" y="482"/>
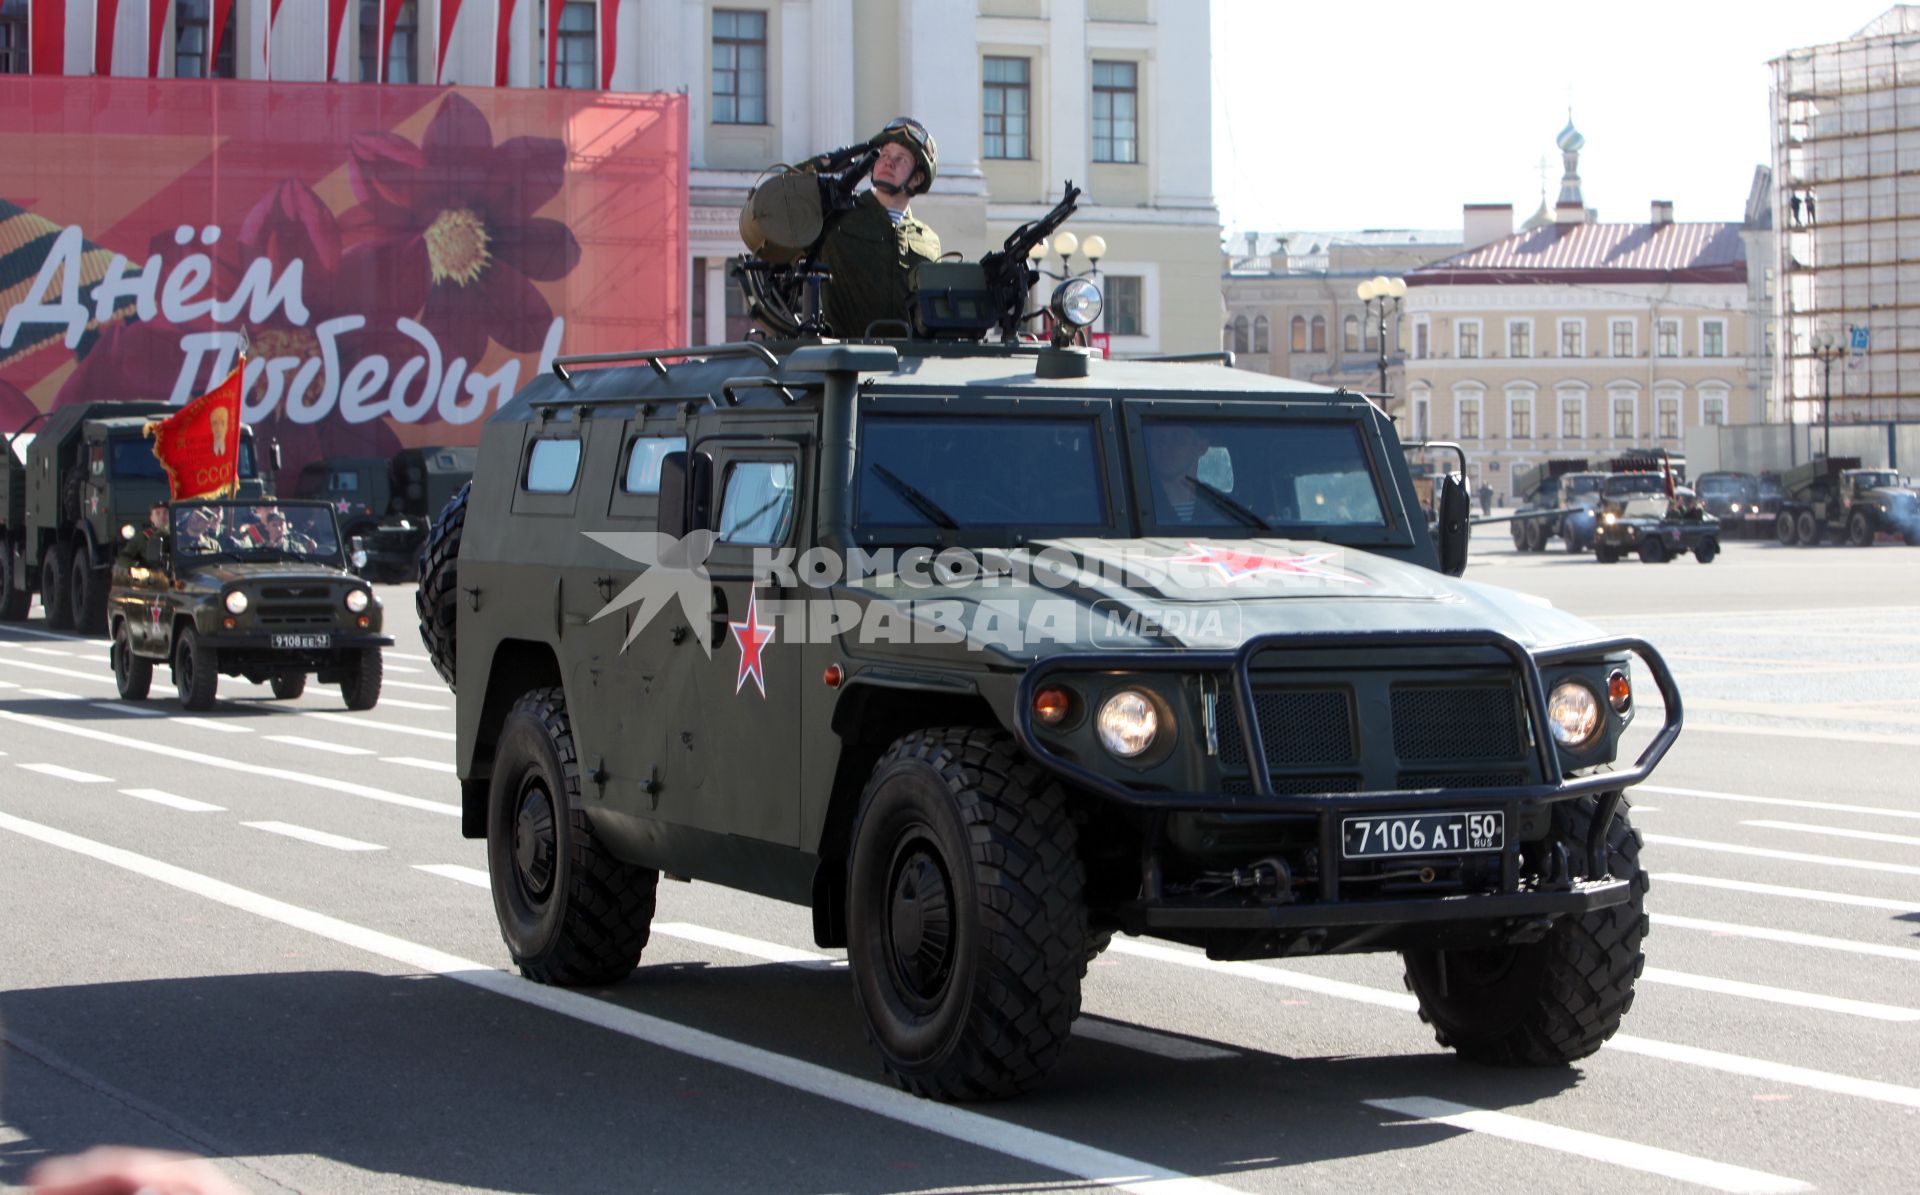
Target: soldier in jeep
<point x="872" y="248"/>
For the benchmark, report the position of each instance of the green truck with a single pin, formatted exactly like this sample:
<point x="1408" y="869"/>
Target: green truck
<point x="74" y="477"/>
<point x="1835" y="499"/>
<point x="387" y="505"/>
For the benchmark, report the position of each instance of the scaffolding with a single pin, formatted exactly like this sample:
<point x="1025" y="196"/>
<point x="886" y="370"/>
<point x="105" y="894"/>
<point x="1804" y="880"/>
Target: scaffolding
<point x="1846" y="170"/>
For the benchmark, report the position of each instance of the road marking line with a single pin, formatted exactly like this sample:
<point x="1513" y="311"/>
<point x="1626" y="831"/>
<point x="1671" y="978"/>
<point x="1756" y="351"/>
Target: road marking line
<point x="1733" y="1064"/>
<point x="432" y="765"/>
<point x="54" y="693"/>
<point x="120" y="707"/>
<point x="224" y="727"/>
<point x="317" y="837"/>
<point x="54" y="769"/>
<point x="1790" y="937"/>
<point x="391" y="654"/>
<point x="1837" y="832"/>
<point x="413" y="705"/>
<point x="1645" y="1158"/>
<point x="7" y="684"/>
<point x="1791" y="732"/>
<point x="234" y="765"/>
<point x="184" y="804"/>
<point x="454" y="871"/>
<point x="1059" y="1154"/>
<point x="1876" y="810"/>
<point x="56" y="636"/>
<point x="295" y="740"/>
<point x="401" y="684"/>
<point x="1832" y="898"/>
<point x="1147" y="1041"/>
<point x="100" y="678"/>
<point x="1773" y="995"/>
<point x="387" y="665"/>
<point x="772" y="952"/>
<point x="377" y="724"/>
<point x="48" y="651"/>
<point x="1729" y="848"/>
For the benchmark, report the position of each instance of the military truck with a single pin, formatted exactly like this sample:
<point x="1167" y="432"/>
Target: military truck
<point x="1734" y="499"/>
<point x="1834" y="498"/>
<point x="1555" y="498"/>
<point x="74" y="477"/>
<point x="387" y="505"/>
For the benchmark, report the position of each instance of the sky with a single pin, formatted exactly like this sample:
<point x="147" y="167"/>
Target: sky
<point x="1392" y="114"/>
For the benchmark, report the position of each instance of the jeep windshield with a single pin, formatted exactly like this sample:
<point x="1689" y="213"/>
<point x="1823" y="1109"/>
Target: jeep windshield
<point x="954" y="473"/>
<point x="1252" y="476"/>
<point x="256" y="532"/>
<point x="1622" y="485"/>
<point x="1728" y="488"/>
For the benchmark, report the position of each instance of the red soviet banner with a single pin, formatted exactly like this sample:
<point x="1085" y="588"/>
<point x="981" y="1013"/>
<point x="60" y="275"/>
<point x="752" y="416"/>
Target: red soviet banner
<point x="402" y="258"/>
<point x="199" y="445"/>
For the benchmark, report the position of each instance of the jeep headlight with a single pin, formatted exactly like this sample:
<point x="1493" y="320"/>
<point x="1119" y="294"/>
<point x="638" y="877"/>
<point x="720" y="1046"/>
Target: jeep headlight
<point x="357" y="600"/>
<point x="1127" y="723"/>
<point x="1574" y="714"/>
<point x="236" y="602"/>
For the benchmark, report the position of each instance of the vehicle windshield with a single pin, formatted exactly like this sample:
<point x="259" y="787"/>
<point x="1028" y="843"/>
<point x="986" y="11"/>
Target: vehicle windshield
<point x="1770" y="487"/>
<point x="1257" y="474"/>
<point x="1869" y="481"/>
<point x="1728" y="487"/>
<point x="1622" y="484"/>
<point x="256" y="531"/>
<point x="954" y="473"/>
<point x="1577" y="486"/>
<point x="133" y="459"/>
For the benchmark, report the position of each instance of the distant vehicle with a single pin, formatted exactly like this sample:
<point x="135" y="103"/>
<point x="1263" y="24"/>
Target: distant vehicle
<point x="1734" y="499"/>
<point x="1835" y="498"/>
<point x="1656" y="528"/>
<point x="385" y="505"/>
<point x="1554" y="498"/>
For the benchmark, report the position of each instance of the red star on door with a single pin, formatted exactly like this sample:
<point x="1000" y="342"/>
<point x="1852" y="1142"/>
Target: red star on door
<point x="751" y="635"/>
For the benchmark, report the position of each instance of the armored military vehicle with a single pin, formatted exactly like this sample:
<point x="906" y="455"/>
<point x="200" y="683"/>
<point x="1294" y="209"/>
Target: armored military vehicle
<point x="71" y="483"/>
<point x="245" y="588"/>
<point x="1835" y="498"/>
<point x="1734" y="499"/>
<point x="1555" y="498"/>
<point x="387" y="505"/>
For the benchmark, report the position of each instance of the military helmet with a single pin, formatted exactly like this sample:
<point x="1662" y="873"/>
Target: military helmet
<point x="912" y="136"/>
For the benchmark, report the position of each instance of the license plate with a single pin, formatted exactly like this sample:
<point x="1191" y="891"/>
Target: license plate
<point x="1421" y="834"/>
<point x="302" y="641"/>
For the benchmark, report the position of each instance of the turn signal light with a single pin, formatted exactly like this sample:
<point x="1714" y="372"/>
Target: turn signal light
<point x="364" y="621"/>
<point x="1619" y="692"/>
<point x="1051" y="706"/>
<point x="229" y="622"/>
<point x="832" y="677"/>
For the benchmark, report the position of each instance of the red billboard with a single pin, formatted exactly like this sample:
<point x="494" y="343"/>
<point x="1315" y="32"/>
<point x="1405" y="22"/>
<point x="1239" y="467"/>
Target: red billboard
<point x="397" y="260"/>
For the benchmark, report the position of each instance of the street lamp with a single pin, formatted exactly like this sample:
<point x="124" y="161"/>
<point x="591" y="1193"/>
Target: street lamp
<point x="1827" y="349"/>
<point x="1376" y="294"/>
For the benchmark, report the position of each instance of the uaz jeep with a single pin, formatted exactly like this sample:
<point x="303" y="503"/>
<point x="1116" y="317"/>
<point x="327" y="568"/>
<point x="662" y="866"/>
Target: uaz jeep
<point x="986" y="652"/>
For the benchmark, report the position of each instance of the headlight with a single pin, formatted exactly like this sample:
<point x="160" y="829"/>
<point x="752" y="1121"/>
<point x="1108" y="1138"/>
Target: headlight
<point x="126" y="531"/>
<point x="359" y="557"/>
<point x="1077" y="302"/>
<point x="356" y="600"/>
<point x="236" y="602"/>
<point x="1127" y="723"/>
<point x="1574" y="713"/>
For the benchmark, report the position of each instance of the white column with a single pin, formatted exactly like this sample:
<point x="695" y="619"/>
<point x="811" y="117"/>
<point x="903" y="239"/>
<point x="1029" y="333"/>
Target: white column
<point x="1069" y="96"/>
<point x="940" y="83"/>
<point x="830" y="84"/>
<point x="1182" y="105"/>
<point x="792" y="107"/>
<point x="716" y="284"/>
<point x="655" y="41"/>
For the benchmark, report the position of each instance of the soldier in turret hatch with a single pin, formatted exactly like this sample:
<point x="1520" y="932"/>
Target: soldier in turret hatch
<point x="873" y="248"/>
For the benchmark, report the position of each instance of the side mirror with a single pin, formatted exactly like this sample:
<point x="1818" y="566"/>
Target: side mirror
<point x="686" y="488"/>
<point x="1454" y="527"/>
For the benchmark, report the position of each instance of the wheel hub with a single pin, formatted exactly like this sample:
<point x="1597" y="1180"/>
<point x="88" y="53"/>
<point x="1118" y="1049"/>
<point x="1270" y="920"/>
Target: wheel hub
<point x="920" y="923"/>
<point x="534" y="842"/>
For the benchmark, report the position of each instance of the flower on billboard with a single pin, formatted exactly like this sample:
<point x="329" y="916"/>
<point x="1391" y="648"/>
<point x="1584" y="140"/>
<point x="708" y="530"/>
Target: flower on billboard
<point x="454" y="228"/>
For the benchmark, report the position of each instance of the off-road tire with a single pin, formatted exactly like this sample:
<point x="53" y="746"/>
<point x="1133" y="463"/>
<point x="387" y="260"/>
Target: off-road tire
<point x="1653" y="551"/>
<point x="1706" y="550"/>
<point x="966" y="915"/>
<point x="196" y="671"/>
<point x="55" y="569"/>
<point x="1808" y="529"/>
<point x="361" y="689"/>
<point x="1518" y="530"/>
<point x="1860" y="529"/>
<point x="571" y="913"/>
<point x="132" y="674"/>
<point x="13" y="602"/>
<point x="1786" y="530"/>
<point x="1605" y="554"/>
<point x="288" y="685"/>
<point x="1536" y="535"/>
<point x="87" y="593"/>
<point x="1556" y="1000"/>
<point x="437" y="601"/>
<point x="1912" y="538"/>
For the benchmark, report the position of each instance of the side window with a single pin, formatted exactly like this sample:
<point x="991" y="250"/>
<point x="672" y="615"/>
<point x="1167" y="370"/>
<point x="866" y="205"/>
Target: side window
<point x="346" y="481"/>
<point x="643" y="462"/>
<point x="757" y="502"/>
<point x="552" y="466"/>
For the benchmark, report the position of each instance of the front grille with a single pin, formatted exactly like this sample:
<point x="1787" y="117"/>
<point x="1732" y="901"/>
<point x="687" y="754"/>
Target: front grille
<point x="294" y="606"/>
<point x="1507" y="779"/>
<point x="1435" y="722"/>
<point x="1298" y="726"/>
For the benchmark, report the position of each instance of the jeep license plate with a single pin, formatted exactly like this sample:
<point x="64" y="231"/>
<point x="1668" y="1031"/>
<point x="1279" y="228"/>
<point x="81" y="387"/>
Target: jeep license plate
<point x="303" y="641"/>
<point x="1422" y="834"/>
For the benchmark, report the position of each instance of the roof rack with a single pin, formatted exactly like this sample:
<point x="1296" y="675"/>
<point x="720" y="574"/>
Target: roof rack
<point x="1222" y="356"/>
<point x="733" y="348"/>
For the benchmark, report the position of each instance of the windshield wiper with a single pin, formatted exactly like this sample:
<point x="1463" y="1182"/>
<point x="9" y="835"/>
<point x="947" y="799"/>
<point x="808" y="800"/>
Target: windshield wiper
<point x="1246" y="513"/>
<point x="928" y="508"/>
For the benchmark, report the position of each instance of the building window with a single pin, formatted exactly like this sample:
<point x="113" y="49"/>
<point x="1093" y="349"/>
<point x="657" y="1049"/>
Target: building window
<point x="1240" y="340"/>
<point x="1350" y="333"/>
<point x="573" y="65"/>
<point x="739" y="66"/>
<point x="1769" y="336"/>
<point x="1520" y="417"/>
<point x="1420" y="340"/>
<point x="1420" y="408"/>
<point x="1571" y="337"/>
<point x="1003" y="115"/>
<point x="1261" y="339"/>
<point x="13" y="37"/>
<point x="1299" y="338"/>
<point x="1468" y="331"/>
<point x="1319" y="333"/>
<point x="1372" y="331"/>
<point x="1713" y="409"/>
<point x="1520" y="338"/>
<point x="1623" y="428"/>
<point x="1116" y="107"/>
<point x="1667" y="338"/>
<point x="193" y="38"/>
<point x="1573" y="418"/>
<point x="1622" y="330"/>
<point x="1125" y="308"/>
<point x="1667" y="418"/>
<point x="1713" y="338"/>
<point x="1470" y="419"/>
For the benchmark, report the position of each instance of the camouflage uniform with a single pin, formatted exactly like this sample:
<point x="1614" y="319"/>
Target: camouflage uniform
<point x="872" y="261"/>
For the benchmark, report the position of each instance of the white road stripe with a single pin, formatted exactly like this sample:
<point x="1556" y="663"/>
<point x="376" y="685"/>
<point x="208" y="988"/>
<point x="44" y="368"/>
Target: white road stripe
<point x="1773" y="995"/>
<point x="379" y="724"/>
<point x="1164" y="1045"/>
<point x="48" y="651"/>
<point x="1056" y="1153"/>
<point x="454" y="871"/>
<point x="317" y="837"/>
<point x="1815" y="894"/>
<point x="431" y="765"/>
<point x="100" y="678"/>
<point x="184" y="804"/>
<point x="1790" y="937"/>
<point x="387" y="665"/>
<point x="222" y="725"/>
<point x="54" y="693"/>
<point x="412" y="705"/>
<point x="1277" y="976"/>
<point x="1789" y="802"/>
<point x="1837" y="832"/>
<point x="1645" y="1158"/>
<point x="772" y="952"/>
<point x="234" y="765"/>
<point x="7" y="684"/>
<point x="54" y="769"/>
<point x="294" y="740"/>
<point x="55" y="635"/>
<point x="401" y="684"/>
<point x="1730" y="848"/>
<point x="121" y="707"/>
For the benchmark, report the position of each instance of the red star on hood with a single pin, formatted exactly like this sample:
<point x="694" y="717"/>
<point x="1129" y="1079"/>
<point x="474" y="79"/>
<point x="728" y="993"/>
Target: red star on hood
<point x="752" y="635"/>
<point x="1233" y="565"/>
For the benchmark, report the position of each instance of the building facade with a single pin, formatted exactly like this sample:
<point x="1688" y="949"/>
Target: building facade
<point x="1020" y="95"/>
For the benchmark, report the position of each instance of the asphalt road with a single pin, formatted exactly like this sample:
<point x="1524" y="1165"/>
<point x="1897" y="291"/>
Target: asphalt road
<point x="257" y="934"/>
